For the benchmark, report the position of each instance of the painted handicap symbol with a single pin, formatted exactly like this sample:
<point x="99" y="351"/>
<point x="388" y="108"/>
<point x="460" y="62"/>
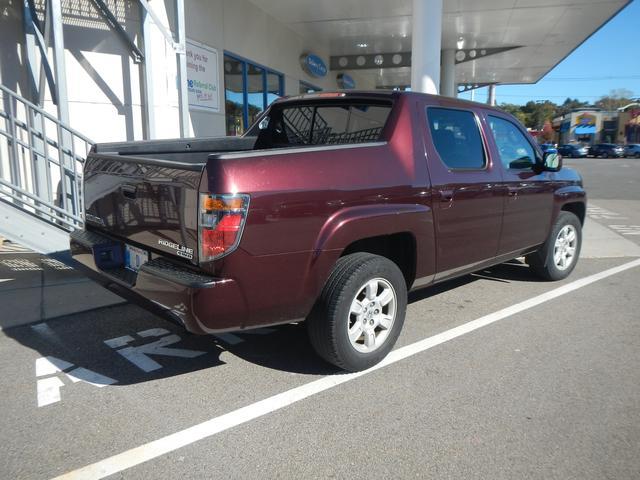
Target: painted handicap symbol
<point x="140" y="356"/>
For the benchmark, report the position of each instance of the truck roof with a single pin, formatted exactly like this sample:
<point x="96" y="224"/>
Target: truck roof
<point x="377" y="95"/>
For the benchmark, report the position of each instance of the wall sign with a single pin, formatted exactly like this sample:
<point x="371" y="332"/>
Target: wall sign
<point x="313" y="65"/>
<point x="202" y="77"/>
<point x="345" y="81"/>
<point x="585" y="124"/>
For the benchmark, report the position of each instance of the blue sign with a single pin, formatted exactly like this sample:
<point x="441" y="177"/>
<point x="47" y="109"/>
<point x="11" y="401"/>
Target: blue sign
<point x="345" y="81"/>
<point x="313" y="65"/>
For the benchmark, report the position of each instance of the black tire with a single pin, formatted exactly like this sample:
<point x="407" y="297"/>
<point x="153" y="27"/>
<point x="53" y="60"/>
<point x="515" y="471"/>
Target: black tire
<point x="330" y="318"/>
<point x="542" y="262"/>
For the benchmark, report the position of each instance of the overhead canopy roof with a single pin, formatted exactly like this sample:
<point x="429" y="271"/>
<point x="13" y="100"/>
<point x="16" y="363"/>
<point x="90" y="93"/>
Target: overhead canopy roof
<point x="546" y="30"/>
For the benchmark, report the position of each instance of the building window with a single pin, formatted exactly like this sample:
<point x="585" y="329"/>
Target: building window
<point x="248" y="89"/>
<point x="306" y="87"/>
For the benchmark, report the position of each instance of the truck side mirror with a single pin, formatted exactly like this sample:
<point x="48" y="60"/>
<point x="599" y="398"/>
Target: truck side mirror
<point x="552" y="161"/>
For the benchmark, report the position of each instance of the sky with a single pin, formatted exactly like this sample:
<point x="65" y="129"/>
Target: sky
<point x="609" y="60"/>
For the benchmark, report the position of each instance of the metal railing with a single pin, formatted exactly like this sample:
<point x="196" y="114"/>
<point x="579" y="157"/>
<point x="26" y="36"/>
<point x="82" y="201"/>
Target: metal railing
<point x="40" y="162"/>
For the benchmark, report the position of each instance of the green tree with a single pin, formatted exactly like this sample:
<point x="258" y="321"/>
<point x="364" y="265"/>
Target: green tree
<point x="515" y="110"/>
<point x="570" y="104"/>
<point x="616" y="98"/>
<point x="538" y="113"/>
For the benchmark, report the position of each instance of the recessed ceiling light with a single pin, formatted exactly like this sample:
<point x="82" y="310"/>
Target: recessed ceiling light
<point x="362" y="45"/>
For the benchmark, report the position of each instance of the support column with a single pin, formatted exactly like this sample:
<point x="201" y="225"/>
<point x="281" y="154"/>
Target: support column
<point x="55" y="10"/>
<point x="426" y="40"/>
<point x="147" y="75"/>
<point x="183" y="99"/>
<point x="448" y="73"/>
<point x="491" y="98"/>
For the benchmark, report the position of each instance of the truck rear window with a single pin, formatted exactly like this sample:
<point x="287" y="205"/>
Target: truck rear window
<point x="299" y="125"/>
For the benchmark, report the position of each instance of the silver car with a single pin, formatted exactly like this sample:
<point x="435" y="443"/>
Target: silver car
<point x="632" y="150"/>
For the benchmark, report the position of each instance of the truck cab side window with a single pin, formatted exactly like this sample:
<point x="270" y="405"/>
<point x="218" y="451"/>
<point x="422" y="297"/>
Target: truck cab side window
<point x="456" y="136"/>
<point x="515" y="150"/>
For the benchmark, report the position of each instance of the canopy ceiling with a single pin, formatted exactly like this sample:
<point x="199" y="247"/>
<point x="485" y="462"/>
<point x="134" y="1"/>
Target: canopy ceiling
<point x="546" y="30"/>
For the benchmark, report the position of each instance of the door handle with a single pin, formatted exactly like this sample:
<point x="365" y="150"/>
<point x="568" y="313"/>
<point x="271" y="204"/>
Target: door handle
<point x="446" y="198"/>
<point x="513" y="192"/>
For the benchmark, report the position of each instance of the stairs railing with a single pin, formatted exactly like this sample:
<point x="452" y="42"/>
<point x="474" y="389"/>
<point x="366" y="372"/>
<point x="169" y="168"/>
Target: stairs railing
<point x="40" y="162"/>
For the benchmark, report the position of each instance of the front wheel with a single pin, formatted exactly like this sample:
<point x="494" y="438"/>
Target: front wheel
<point x="558" y="256"/>
<point x="360" y="312"/>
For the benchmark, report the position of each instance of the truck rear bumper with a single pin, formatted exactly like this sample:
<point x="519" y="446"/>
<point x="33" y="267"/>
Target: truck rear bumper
<point x="198" y="302"/>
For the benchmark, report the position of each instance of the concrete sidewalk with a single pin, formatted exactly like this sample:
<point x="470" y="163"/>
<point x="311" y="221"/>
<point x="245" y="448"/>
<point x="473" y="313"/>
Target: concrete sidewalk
<point x="35" y="287"/>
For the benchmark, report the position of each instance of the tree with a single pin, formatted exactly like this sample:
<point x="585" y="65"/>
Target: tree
<point x="617" y="98"/>
<point x="515" y="110"/>
<point x="570" y="104"/>
<point x="538" y="113"/>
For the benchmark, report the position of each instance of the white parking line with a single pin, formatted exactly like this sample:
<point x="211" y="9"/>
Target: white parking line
<point x="164" y="445"/>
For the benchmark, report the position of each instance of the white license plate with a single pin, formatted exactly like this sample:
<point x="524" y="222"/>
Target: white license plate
<point x="134" y="257"/>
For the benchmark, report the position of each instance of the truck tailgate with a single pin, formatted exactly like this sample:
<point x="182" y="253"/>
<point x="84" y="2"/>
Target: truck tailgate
<point x="148" y="203"/>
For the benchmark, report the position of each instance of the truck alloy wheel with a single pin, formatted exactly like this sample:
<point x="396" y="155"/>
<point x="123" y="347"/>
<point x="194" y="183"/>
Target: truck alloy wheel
<point x="564" y="249"/>
<point x="372" y="314"/>
<point x="559" y="254"/>
<point x="360" y="312"/>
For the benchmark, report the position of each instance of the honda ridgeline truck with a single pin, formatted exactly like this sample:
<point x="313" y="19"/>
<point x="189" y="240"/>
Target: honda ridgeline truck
<point x="329" y="210"/>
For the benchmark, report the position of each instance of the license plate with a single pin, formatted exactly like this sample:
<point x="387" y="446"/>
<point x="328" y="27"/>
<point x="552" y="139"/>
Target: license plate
<point x="134" y="257"/>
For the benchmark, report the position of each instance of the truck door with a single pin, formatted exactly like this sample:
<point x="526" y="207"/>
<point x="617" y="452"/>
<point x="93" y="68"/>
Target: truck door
<point x="466" y="187"/>
<point x="528" y="203"/>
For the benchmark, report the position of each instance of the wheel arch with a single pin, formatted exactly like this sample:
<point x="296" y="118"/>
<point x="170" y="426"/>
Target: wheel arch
<point x="377" y="229"/>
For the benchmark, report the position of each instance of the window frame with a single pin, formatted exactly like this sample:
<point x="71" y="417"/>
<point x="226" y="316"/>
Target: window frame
<point x="485" y="150"/>
<point x="536" y="150"/>
<point x="245" y="62"/>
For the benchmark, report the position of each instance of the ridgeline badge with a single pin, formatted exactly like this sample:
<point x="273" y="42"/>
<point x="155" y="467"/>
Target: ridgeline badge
<point x="181" y="251"/>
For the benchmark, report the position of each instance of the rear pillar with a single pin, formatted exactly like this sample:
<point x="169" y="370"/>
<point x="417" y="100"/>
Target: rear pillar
<point x="426" y="39"/>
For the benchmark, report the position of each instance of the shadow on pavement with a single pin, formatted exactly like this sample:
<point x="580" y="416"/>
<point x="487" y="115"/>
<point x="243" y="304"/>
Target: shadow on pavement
<point x="96" y="340"/>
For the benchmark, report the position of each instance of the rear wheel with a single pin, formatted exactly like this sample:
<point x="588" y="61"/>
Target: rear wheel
<point x="559" y="254"/>
<point x="360" y="312"/>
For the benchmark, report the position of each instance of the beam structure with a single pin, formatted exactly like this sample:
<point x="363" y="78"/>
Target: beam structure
<point x="448" y="74"/>
<point x="179" y="47"/>
<point x="181" y="53"/>
<point x="425" y="45"/>
<point x="147" y="78"/>
<point x="55" y="14"/>
<point x="112" y="21"/>
<point x="491" y="98"/>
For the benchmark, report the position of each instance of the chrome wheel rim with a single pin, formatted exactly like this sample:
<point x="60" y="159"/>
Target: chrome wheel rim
<point x="372" y="315"/>
<point x="564" y="250"/>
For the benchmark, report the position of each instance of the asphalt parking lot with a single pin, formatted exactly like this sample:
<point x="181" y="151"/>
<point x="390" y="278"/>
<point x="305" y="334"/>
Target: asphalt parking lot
<point x="496" y="375"/>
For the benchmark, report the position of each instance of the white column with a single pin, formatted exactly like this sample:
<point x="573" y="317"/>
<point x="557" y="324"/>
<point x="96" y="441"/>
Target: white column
<point x="448" y="73"/>
<point x="426" y="39"/>
<point x="491" y="98"/>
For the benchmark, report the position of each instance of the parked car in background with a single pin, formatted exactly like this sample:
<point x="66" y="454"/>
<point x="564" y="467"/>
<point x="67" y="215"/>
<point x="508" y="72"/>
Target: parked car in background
<point x="606" y="150"/>
<point x="547" y="147"/>
<point x="632" y="150"/>
<point x="573" y="150"/>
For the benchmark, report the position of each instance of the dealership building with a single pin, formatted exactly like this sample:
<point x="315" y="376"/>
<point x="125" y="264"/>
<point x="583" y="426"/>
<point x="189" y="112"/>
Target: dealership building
<point x="142" y="69"/>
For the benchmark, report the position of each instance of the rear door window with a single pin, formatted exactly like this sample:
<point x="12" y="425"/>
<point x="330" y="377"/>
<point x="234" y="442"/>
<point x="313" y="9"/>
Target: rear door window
<point x="456" y="136"/>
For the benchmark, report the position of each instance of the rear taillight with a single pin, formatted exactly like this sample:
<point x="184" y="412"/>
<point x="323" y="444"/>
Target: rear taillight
<point x="222" y="219"/>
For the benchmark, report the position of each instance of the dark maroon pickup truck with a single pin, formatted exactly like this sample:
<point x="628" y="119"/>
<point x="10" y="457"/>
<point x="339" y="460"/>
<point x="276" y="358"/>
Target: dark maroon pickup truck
<point x="330" y="209"/>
